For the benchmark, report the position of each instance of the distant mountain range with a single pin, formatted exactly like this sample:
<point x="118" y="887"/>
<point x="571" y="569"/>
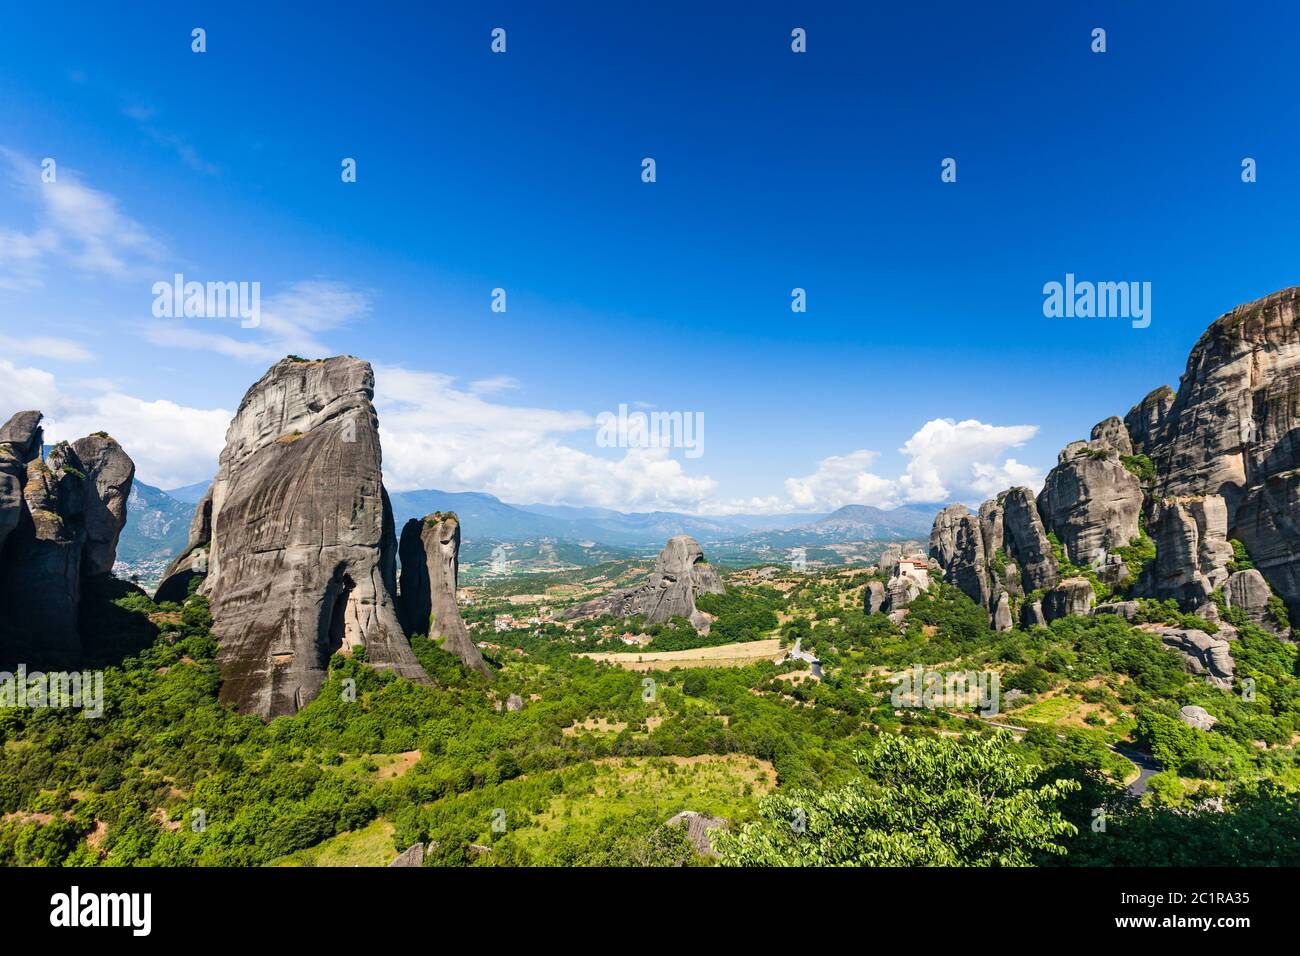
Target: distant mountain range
<point x="158" y="521"/>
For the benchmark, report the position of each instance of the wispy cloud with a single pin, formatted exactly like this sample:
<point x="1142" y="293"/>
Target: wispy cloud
<point x="74" y="225"/>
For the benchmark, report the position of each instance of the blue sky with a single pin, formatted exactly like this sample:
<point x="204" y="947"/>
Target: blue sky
<point x="924" y="361"/>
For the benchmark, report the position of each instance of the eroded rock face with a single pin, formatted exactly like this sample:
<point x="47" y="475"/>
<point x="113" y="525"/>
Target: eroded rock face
<point x="1112" y="433"/>
<point x="109" y="473"/>
<point x="193" y="561"/>
<point x="1192" y="549"/>
<point x="1249" y="591"/>
<point x="40" y="576"/>
<point x="301" y="550"/>
<point x="21" y="439"/>
<point x="1234" y="430"/>
<point x="1001" y="617"/>
<point x="430" y="575"/>
<point x="1202" y="653"/>
<point x="1146" y="420"/>
<point x="59" y="523"/>
<point x="1071" y="596"/>
<point x="968" y="567"/>
<point x="1026" y="540"/>
<point x="873" y="597"/>
<point x="1091" y="502"/>
<point x="680" y="573"/>
<point x="943" y="539"/>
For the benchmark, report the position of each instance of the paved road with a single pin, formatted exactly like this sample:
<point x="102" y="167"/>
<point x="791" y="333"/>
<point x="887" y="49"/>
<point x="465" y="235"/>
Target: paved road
<point x="1147" y="768"/>
<point x="1147" y="765"/>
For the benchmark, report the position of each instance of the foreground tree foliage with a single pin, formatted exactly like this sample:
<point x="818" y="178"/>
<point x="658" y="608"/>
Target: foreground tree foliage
<point x="920" y="802"/>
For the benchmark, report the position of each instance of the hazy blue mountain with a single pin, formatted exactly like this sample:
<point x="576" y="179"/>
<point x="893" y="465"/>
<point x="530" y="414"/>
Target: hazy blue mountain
<point x="190" y="494"/>
<point x="484" y="516"/>
<point x="157" y="528"/>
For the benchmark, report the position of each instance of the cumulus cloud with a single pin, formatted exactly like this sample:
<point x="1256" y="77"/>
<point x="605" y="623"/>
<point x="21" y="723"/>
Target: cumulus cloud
<point x="436" y="435"/>
<point x="39" y="346"/>
<point x="947" y="460"/>
<point x="170" y="444"/>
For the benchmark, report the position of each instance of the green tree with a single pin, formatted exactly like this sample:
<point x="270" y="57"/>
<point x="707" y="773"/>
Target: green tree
<point x="920" y="802"/>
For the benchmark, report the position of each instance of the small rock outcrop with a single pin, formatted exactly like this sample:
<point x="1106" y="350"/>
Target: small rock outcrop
<point x="698" y="829"/>
<point x="680" y="573"/>
<point x="1202" y="653"/>
<point x="430" y="553"/>
<point x="1249" y="591"/>
<point x="413" y="855"/>
<point x="873" y="597"/>
<point x="1071" y="596"/>
<point x="1198" y="717"/>
<point x="301" y="554"/>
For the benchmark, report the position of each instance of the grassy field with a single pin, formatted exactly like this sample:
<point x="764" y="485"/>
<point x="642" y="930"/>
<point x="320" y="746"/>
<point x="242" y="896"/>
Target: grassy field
<point x="369" y="846"/>
<point x="724" y="786"/>
<point x="723" y="655"/>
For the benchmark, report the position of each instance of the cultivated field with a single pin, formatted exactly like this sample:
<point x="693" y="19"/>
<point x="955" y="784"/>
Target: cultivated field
<point x="724" y="655"/>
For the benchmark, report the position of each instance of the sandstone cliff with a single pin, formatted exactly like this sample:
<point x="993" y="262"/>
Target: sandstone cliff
<point x="60" y="517"/>
<point x="430" y="553"/>
<point x="297" y="538"/>
<point x="679" y="574"/>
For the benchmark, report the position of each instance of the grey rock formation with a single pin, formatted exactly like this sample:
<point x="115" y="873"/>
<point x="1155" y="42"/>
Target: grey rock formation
<point x="1233" y="429"/>
<point x="1192" y="550"/>
<point x="193" y="561"/>
<point x="1026" y="540"/>
<point x="301" y="550"/>
<point x="873" y="597"/>
<point x="1112" y="433"/>
<point x="1001" y="618"/>
<point x="1198" y="717"/>
<point x="1071" y="596"/>
<point x="428" y="596"/>
<point x="679" y="574"/>
<point x="991" y="527"/>
<point x="514" y="703"/>
<point x="1249" y="591"/>
<point x="1202" y="653"/>
<point x="20" y="442"/>
<point x="1146" y="420"/>
<point x="698" y="827"/>
<point x="1091" y="502"/>
<point x="40" y="574"/>
<point x="109" y="473"/>
<point x="943" y="539"/>
<point x="413" y="855"/>
<point x="1031" y="615"/>
<point x="1128" y="610"/>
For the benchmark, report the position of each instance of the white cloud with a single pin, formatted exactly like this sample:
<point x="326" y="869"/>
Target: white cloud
<point x="954" y="460"/>
<point x="436" y="435"/>
<point x="291" y="323"/>
<point x="170" y="444"/>
<point x="38" y="346"/>
<point x="947" y="460"/>
<point x="81" y="226"/>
